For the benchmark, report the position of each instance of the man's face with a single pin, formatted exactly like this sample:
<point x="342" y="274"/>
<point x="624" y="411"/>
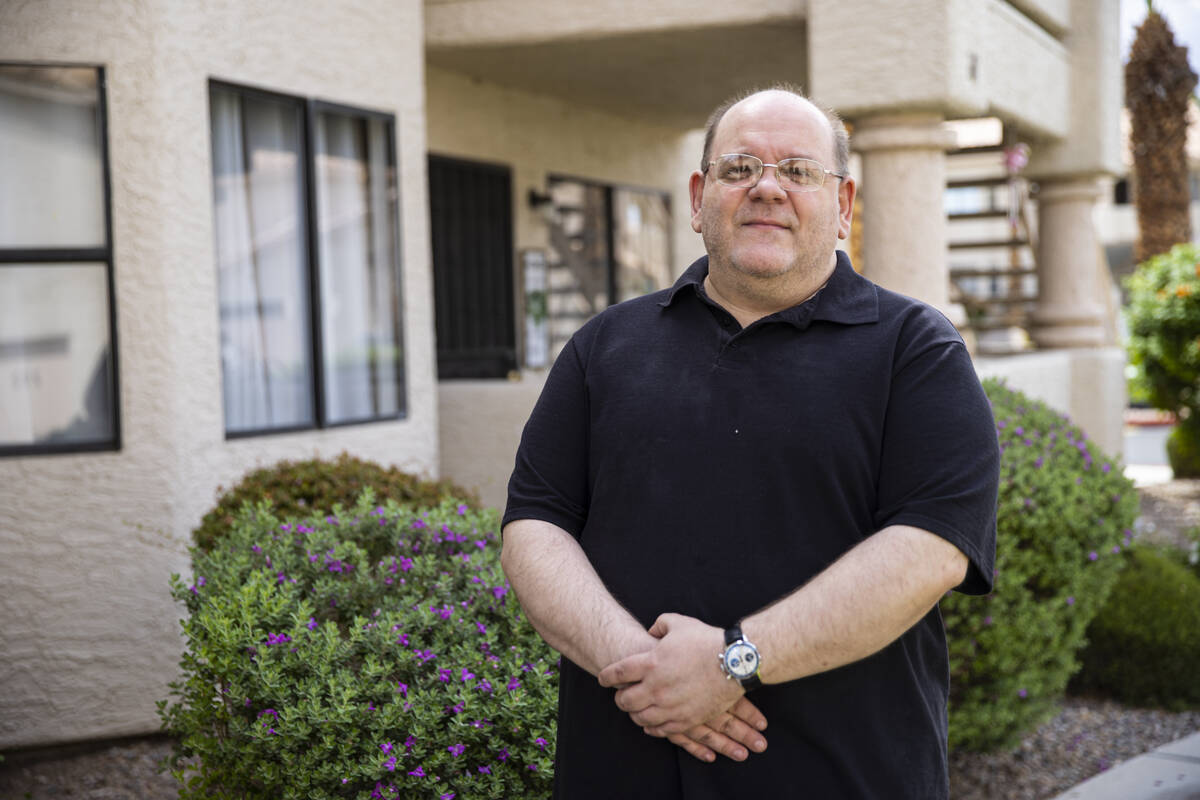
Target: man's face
<point x="764" y="232"/>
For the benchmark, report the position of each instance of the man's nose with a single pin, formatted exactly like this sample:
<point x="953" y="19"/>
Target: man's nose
<point x="768" y="184"/>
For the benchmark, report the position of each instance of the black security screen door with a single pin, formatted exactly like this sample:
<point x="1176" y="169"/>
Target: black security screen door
<point x="471" y="226"/>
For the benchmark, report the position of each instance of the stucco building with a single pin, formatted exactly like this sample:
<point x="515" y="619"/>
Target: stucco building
<point x="233" y="233"/>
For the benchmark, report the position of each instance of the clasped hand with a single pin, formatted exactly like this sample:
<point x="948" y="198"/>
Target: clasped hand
<point x="677" y="690"/>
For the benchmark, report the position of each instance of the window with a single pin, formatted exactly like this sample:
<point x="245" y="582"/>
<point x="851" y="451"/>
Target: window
<point x="58" y="387"/>
<point x="470" y="209"/>
<point x="307" y="241"/>
<point x="608" y="244"/>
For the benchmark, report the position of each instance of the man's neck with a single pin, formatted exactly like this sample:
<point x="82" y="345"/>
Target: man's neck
<point x="750" y="302"/>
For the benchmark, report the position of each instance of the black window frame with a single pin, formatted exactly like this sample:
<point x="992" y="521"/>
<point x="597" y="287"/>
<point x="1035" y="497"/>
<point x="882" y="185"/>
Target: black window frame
<point x="50" y="256"/>
<point x="309" y="108"/>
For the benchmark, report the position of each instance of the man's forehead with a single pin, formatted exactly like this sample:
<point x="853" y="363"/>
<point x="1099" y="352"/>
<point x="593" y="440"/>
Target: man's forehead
<point x="775" y="112"/>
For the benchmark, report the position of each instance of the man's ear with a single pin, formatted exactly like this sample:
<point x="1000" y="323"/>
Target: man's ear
<point x="696" y="191"/>
<point x="846" y="192"/>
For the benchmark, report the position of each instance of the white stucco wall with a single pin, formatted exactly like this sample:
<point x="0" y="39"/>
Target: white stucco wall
<point x="88" y="633"/>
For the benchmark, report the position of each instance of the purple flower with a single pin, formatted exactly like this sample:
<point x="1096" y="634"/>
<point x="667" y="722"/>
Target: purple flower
<point x="456" y="750"/>
<point x="256" y="548"/>
<point x="1092" y="556"/>
<point x="532" y="767"/>
<point x="499" y="591"/>
<point x="409" y="742"/>
<point x="1070" y="601"/>
<point x="484" y="686"/>
<point x="1022" y="693"/>
<point x="402" y="688"/>
<point x="418" y="772"/>
<point x="481" y="543"/>
<point x="513" y="684"/>
<point x="486" y="770"/>
<point x="540" y="742"/>
<point x="1116" y="548"/>
<point x="462" y="509"/>
<point x="312" y="624"/>
<point x="278" y="638"/>
<point x="418" y="524"/>
<point x="481" y="627"/>
<point x="987" y="621"/>
<point x="1107" y="467"/>
<point x="390" y="764"/>
<point x="402" y="640"/>
<point x="371" y="706"/>
<point x="268" y="712"/>
<point x="502" y="755"/>
<point x="446" y="796"/>
<point x="444" y="675"/>
<point x="467" y="675"/>
<point x="386" y="747"/>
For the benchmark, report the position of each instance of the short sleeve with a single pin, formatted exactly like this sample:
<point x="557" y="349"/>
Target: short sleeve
<point x="549" y="480"/>
<point x="940" y="463"/>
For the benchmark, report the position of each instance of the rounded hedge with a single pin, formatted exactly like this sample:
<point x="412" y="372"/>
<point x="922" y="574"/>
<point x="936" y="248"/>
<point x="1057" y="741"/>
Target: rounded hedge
<point x="370" y="653"/>
<point x="1065" y="513"/>
<point x="301" y="488"/>
<point x="1144" y="645"/>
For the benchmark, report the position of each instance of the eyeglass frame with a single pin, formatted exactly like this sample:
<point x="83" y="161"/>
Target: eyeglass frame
<point x="763" y="166"/>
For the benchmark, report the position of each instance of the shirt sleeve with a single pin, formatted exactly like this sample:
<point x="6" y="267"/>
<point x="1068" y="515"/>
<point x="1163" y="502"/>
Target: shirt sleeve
<point x="940" y="465"/>
<point x="549" y="480"/>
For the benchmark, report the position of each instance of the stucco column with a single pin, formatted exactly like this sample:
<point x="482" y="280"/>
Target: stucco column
<point x="1069" y="309"/>
<point x="904" y="221"/>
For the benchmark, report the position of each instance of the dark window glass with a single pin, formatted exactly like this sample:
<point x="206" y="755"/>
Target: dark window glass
<point x="262" y="262"/>
<point x="308" y="262"/>
<point x="607" y="244"/>
<point x="57" y="326"/>
<point x="471" y="230"/>
<point x="360" y="284"/>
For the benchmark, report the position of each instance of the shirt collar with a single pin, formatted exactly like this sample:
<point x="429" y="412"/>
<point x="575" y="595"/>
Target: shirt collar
<point x="847" y="298"/>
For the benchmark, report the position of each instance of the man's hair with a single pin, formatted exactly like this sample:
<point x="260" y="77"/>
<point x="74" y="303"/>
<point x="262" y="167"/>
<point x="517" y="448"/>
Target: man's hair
<point x="841" y="139"/>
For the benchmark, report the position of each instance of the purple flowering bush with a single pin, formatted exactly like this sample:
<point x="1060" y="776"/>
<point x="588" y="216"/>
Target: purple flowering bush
<point x="1065" y="514"/>
<point x="371" y="653"/>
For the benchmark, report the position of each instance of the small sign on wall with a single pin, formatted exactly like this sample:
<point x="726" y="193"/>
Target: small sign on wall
<point x="537" y="322"/>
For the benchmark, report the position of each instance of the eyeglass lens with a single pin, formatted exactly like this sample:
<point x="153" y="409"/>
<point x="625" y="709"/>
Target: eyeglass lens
<point x="793" y="174"/>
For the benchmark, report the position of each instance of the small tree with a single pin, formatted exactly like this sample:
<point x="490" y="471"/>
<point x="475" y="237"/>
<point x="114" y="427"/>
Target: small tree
<point x="1158" y="83"/>
<point x="1164" y="344"/>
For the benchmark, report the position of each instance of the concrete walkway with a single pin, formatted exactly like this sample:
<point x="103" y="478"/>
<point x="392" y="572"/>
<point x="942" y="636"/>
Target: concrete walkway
<point x="1172" y="772"/>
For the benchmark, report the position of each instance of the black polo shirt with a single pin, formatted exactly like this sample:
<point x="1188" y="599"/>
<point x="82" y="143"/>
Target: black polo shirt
<point x="709" y="470"/>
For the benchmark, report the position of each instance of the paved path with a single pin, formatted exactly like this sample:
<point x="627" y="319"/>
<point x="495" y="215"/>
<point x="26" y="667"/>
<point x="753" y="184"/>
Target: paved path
<point x="1172" y="772"/>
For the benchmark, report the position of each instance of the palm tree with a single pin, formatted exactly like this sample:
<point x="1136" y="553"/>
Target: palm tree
<point x="1158" y="83"/>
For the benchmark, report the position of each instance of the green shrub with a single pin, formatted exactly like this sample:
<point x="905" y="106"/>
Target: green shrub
<point x="375" y="653"/>
<point x="300" y="488"/>
<point x="1064" y="516"/>
<point x="1144" y="645"/>
<point x="1164" y="345"/>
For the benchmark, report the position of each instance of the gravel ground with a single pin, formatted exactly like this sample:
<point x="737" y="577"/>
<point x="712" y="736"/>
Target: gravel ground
<point x="1085" y="738"/>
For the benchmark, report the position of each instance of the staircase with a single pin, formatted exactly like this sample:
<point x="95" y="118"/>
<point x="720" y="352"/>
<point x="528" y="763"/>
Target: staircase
<point x="992" y="244"/>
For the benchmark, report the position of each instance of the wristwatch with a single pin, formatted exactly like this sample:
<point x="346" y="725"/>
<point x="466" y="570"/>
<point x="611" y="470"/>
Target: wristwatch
<point x="741" y="659"/>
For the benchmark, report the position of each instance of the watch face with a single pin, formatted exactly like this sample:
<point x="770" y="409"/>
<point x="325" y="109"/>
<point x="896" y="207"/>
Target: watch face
<point x="741" y="660"/>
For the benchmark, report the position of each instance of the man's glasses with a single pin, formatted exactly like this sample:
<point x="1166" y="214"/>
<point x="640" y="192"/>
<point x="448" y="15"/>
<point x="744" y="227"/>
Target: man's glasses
<point x="743" y="171"/>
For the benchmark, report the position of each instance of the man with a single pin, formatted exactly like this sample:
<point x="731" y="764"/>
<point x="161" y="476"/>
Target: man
<point x="761" y="480"/>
